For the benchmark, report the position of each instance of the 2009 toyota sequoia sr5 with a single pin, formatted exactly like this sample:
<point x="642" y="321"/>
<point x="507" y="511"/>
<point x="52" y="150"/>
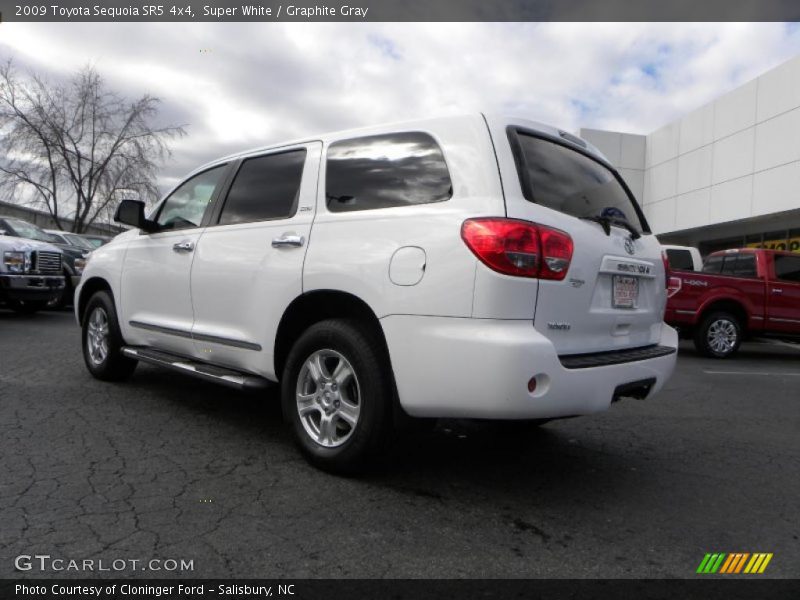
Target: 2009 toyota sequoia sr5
<point x="473" y="267"/>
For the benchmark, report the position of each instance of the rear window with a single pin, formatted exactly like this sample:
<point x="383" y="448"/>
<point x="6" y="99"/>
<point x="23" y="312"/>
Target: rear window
<point x="713" y="264"/>
<point x="743" y="265"/>
<point x="567" y="181"/>
<point x="382" y="171"/>
<point x="733" y="265"/>
<point x="680" y="259"/>
<point x="787" y="267"/>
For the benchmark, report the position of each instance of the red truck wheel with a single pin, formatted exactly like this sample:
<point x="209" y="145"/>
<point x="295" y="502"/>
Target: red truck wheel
<point x="719" y="335"/>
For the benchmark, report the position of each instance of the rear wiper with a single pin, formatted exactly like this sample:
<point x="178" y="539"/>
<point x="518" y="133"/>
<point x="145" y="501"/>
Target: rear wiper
<point x="607" y="222"/>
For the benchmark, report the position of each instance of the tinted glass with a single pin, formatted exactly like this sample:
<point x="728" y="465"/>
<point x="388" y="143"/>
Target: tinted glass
<point x="382" y="171"/>
<point x="186" y="205"/>
<point x="265" y="188"/>
<point x="713" y="264"/>
<point x="680" y="259"/>
<point x="787" y="267"/>
<point x="745" y="266"/>
<point x="565" y="180"/>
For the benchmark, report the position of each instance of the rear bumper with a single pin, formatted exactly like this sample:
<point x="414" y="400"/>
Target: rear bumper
<point x="480" y="368"/>
<point x="30" y="287"/>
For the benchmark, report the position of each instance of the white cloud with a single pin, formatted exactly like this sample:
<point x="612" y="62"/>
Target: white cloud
<point x="243" y="85"/>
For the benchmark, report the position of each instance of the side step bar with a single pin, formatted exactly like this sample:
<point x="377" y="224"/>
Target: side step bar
<point x="201" y="370"/>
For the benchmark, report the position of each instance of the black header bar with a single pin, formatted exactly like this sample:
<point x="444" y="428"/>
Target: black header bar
<point x="267" y="11"/>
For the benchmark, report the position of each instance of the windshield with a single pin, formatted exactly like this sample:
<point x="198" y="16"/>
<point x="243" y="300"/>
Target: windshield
<point x="31" y="231"/>
<point x="567" y="181"/>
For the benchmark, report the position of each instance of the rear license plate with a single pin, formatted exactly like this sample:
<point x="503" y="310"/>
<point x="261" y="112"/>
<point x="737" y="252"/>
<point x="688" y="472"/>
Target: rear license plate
<point x="625" y="291"/>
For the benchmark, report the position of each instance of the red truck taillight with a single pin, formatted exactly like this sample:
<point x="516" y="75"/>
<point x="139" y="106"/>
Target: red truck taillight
<point x="520" y="248"/>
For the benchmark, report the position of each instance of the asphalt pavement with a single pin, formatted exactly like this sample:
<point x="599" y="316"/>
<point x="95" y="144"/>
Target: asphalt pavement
<point x="166" y="467"/>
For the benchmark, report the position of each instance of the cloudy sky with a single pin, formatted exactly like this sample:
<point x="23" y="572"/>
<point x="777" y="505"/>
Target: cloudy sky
<point x="237" y="86"/>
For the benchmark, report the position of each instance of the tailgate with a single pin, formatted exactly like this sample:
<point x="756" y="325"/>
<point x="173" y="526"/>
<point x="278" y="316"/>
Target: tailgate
<point x="613" y="294"/>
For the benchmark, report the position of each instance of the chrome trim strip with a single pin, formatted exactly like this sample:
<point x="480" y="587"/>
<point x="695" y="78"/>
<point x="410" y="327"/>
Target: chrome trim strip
<point x="198" y="337"/>
<point x="158" y="328"/>
<point x="779" y="320"/>
<point x="684" y="312"/>
<point x="202" y="337"/>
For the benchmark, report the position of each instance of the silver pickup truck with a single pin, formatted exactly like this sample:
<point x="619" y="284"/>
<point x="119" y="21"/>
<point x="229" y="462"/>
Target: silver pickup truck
<point x="31" y="273"/>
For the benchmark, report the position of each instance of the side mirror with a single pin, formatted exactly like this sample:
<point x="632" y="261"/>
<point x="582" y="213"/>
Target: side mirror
<point x="131" y="212"/>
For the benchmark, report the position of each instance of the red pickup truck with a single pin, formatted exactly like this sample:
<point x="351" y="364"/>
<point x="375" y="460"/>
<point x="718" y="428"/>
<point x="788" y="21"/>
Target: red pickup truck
<point x="739" y="294"/>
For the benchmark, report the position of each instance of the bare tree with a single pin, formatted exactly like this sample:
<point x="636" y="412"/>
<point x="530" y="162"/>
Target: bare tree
<point x="77" y="147"/>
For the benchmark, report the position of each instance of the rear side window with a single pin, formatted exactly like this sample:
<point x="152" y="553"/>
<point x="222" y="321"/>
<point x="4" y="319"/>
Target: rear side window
<point x="265" y="188"/>
<point x="680" y="259"/>
<point x="567" y="181"/>
<point x="383" y="171"/>
<point x="713" y="264"/>
<point x="787" y="267"/>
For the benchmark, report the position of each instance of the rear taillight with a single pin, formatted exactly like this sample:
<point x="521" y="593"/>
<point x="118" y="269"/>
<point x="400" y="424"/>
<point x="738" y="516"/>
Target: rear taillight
<point x="665" y="259"/>
<point x="520" y="248"/>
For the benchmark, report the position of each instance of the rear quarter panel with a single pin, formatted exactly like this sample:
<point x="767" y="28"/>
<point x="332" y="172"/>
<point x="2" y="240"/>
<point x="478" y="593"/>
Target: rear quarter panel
<point x="352" y="251"/>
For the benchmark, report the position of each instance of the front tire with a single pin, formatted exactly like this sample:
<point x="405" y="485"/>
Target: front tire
<point x="337" y="394"/>
<point x="102" y="341"/>
<point x="719" y="335"/>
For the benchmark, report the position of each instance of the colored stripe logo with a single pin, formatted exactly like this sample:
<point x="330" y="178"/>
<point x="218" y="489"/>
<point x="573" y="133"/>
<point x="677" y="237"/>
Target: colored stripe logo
<point x="734" y="563"/>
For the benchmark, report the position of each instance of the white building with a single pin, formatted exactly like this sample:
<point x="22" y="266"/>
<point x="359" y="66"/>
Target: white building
<point x="725" y="175"/>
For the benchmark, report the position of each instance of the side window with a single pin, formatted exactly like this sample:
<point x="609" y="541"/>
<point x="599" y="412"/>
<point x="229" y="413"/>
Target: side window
<point x="265" y="188"/>
<point x="713" y="264"/>
<point x="787" y="267"/>
<point x="680" y="259"/>
<point x="185" y="207"/>
<point x="382" y="171"/>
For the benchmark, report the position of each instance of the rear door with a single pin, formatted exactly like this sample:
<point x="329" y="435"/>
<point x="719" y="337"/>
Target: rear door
<point x="249" y="260"/>
<point x="783" y="295"/>
<point x="613" y="295"/>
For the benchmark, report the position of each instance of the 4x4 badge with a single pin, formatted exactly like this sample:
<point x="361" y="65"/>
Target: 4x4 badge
<point x="629" y="247"/>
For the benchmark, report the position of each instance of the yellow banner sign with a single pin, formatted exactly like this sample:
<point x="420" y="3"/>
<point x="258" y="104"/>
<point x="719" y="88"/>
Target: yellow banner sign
<point x="792" y="244"/>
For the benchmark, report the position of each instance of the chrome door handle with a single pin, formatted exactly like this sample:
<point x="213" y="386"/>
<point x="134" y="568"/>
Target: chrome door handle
<point x="777" y="291"/>
<point x="288" y="240"/>
<point x="185" y="246"/>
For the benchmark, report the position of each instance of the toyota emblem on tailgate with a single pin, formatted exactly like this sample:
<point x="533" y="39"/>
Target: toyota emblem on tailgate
<point x="629" y="247"/>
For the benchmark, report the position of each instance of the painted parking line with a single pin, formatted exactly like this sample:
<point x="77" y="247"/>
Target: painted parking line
<point x="761" y="373"/>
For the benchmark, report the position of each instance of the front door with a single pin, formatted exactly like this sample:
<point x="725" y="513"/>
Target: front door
<point x="156" y="303"/>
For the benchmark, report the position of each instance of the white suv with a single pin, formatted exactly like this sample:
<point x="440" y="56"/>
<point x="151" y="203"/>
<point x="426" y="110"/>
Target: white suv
<point x="472" y="267"/>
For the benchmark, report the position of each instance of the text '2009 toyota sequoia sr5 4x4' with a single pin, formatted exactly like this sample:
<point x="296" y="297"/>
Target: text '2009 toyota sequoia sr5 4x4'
<point x="471" y="267"/>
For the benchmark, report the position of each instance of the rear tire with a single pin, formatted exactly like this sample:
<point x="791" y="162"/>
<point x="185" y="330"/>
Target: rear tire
<point x="719" y="335"/>
<point x="337" y="393"/>
<point x="102" y="341"/>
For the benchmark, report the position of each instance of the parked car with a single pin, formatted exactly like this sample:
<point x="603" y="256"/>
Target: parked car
<point x="30" y="274"/>
<point x="96" y="240"/>
<point x="741" y="293"/>
<point x="72" y="260"/>
<point x="71" y="239"/>
<point x="473" y="267"/>
<point x="683" y="258"/>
